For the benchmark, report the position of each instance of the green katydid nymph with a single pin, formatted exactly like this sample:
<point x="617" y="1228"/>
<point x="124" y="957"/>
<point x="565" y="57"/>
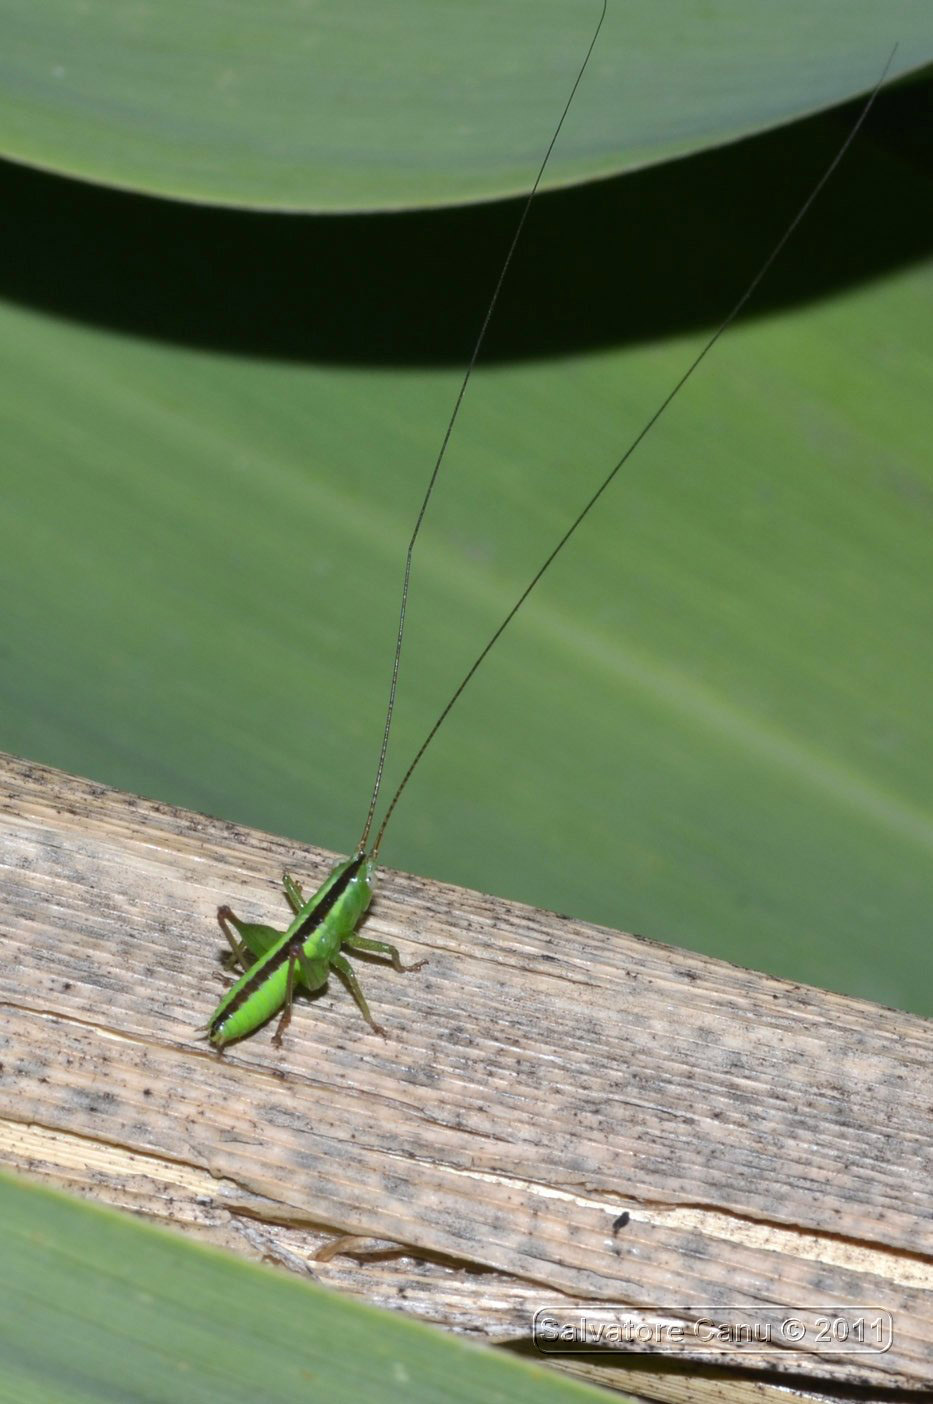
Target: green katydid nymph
<point x="308" y="950"/>
<point x="276" y="963"/>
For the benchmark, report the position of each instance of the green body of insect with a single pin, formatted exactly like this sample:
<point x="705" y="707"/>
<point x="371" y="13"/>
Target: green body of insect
<point x="304" y="954"/>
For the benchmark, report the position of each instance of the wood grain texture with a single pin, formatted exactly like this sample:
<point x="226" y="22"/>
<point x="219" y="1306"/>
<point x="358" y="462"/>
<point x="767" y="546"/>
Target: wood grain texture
<point x="769" y="1142"/>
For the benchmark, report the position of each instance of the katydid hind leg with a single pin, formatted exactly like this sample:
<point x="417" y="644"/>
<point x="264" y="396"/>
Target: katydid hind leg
<point x="252" y="939"/>
<point x="345" y="969"/>
<point x="367" y="943"/>
<point x="289" y="996"/>
<point x="226" y="918"/>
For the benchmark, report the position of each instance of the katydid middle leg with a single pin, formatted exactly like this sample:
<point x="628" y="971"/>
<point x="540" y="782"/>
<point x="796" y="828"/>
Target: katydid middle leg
<point x="310" y="973"/>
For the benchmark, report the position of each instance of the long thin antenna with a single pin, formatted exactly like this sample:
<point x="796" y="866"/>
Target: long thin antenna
<point x="672" y="394"/>
<point x="393" y="686"/>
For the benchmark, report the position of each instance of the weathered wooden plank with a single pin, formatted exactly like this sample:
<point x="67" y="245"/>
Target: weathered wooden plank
<point x="769" y="1142"/>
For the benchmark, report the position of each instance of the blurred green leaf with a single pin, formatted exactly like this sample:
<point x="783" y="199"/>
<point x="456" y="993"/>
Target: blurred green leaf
<point x="95" y="1306"/>
<point x="328" y="106"/>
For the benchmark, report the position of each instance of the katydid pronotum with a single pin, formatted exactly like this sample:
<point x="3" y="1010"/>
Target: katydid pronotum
<point x="276" y="963"/>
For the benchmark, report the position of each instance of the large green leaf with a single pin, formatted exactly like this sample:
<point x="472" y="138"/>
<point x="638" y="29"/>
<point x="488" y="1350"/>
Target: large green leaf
<point x="330" y="106"/>
<point x="95" y="1307"/>
<point x="711" y="724"/>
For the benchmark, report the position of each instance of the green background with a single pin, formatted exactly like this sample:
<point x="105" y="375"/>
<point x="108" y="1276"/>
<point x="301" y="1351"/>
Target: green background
<point x="315" y="105"/>
<point x="711" y="723"/>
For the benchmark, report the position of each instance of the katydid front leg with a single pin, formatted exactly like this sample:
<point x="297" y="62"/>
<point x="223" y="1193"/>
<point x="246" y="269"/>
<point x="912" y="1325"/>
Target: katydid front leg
<point x="293" y="893"/>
